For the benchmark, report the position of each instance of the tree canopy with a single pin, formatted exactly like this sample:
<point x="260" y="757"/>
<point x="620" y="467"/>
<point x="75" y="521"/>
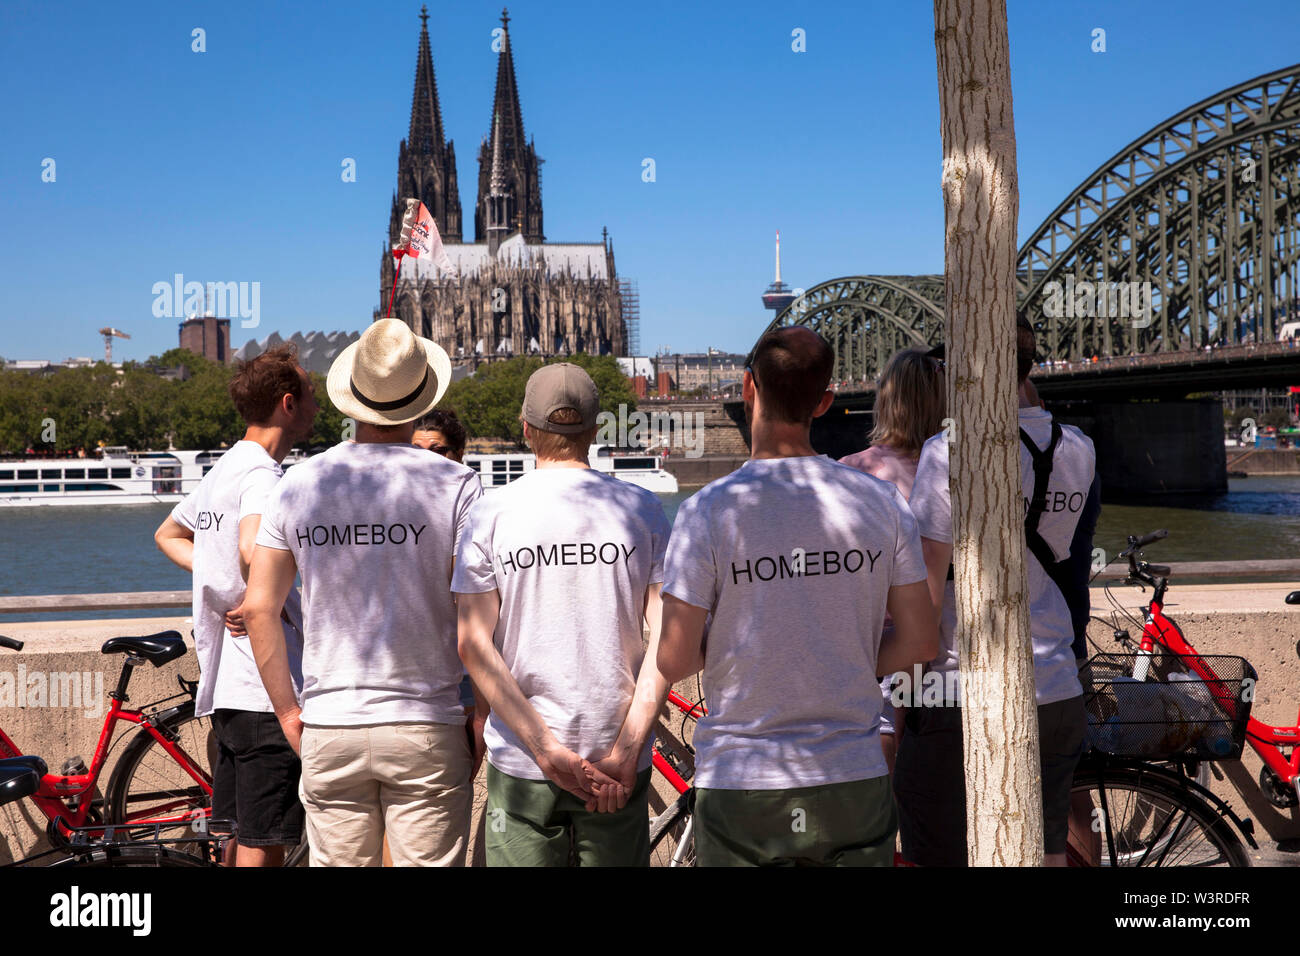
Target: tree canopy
<point x="138" y="408"/>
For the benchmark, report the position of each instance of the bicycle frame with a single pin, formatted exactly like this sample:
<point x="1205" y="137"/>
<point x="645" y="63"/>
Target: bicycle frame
<point x="1266" y="740"/>
<point x="694" y="711"/>
<point x="56" y="789"/>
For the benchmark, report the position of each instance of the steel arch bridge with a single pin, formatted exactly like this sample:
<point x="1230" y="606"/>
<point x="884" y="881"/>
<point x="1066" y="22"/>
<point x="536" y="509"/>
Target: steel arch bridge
<point x="1187" y="237"/>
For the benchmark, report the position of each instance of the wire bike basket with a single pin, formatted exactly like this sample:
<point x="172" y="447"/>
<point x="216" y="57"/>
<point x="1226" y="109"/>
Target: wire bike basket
<point x="1189" y="708"/>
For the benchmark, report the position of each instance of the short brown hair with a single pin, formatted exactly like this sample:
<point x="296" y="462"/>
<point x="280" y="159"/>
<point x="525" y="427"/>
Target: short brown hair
<point x="1024" y="348"/>
<point x="910" y="402"/>
<point x="260" y="383"/>
<point x="557" y="447"/>
<point x="791" y="371"/>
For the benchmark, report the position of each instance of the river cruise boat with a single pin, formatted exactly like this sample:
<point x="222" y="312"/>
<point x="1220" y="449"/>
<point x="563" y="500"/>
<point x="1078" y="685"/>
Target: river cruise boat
<point x="118" y="477"/>
<point x="641" y="468"/>
<point x="121" y="477"/>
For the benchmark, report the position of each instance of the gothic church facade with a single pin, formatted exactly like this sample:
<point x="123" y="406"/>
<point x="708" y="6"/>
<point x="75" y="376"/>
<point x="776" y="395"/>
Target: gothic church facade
<point x="511" y="292"/>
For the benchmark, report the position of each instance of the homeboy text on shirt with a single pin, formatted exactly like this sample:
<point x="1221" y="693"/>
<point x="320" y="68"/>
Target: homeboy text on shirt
<point x="320" y="535"/>
<point x="209" y="519"/>
<point x="558" y="555"/>
<point x="802" y="563"/>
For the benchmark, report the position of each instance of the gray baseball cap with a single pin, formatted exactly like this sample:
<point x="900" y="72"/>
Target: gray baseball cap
<point x="562" y="385"/>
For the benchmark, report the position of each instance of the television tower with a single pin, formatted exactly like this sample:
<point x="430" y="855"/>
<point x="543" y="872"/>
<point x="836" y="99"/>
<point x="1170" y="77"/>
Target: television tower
<point x="778" y="294"/>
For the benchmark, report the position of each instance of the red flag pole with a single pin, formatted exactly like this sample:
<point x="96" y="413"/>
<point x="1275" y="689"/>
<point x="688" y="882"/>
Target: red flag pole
<point x="397" y="255"/>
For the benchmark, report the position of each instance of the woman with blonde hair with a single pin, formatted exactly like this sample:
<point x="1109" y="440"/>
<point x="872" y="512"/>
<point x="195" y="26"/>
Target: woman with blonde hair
<point x="910" y="407"/>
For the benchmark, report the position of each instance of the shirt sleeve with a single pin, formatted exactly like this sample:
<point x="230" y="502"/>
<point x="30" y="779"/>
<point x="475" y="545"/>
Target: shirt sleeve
<point x="470" y="492"/>
<point x="660" y="533"/>
<point x="909" y="565"/>
<point x="271" y="533"/>
<point x="186" y="512"/>
<point x="690" y="572"/>
<point x="255" y="491"/>
<point x="474" y="572"/>
<point x="930" y="502"/>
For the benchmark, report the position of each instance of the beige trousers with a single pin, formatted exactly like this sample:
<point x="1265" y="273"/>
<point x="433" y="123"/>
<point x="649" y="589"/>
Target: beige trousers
<point x="409" y="780"/>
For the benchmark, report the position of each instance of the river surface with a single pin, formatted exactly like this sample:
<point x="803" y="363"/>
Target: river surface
<point x="82" y="550"/>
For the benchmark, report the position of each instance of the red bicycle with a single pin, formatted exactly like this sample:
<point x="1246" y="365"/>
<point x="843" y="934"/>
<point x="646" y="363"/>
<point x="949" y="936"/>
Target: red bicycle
<point x="163" y="777"/>
<point x="672" y="841"/>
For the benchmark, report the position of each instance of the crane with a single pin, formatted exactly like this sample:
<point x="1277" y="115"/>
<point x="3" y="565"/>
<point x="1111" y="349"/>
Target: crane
<point x="108" y="333"/>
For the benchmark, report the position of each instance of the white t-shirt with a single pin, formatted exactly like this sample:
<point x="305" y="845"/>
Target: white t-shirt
<point x="571" y="552"/>
<point x="1055" y="671"/>
<point x="373" y="529"/>
<point x="239" y="485"/>
<point x="795" y="558"/>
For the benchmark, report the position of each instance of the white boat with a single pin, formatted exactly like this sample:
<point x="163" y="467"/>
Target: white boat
<point x="641" y="468"/>
<point x="118" y="477"/>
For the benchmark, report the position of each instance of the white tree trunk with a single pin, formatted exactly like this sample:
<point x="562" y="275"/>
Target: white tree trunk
<point x="1004" y="817"/>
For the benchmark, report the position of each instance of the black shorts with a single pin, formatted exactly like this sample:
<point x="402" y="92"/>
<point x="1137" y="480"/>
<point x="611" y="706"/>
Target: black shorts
<point x="930" y="780"/>
<point x="255" y="780"/>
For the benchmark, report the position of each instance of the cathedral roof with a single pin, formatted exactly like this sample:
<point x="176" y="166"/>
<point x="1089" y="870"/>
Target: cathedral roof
<point x="582" y="259"/>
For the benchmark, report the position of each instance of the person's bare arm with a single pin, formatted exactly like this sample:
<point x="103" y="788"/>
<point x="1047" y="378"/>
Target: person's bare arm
<point x="938" y="558"/>
<point x="647" y="701"/>
<point x="177" y="542"/>
<point x="477" y="616"/>
<point x="247" y="545"/>
<point x="269" y="581"/>
<point x="681" y="639"/>
<point x="915" y="638"/>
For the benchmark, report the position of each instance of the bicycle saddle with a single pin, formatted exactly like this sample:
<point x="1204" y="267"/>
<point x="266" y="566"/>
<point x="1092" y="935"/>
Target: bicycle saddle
<point x="157" y="649"/>
<point x="20" y="777"/>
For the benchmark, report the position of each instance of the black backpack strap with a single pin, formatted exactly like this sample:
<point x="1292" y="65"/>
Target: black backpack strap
<point x="1042" y="460"/>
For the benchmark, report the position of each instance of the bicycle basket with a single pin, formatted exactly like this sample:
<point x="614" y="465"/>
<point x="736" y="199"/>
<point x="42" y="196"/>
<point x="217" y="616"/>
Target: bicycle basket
<point x="1189" y="708"/>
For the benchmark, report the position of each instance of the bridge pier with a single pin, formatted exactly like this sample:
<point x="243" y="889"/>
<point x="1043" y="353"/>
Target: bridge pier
<point x="1153" y="448"/>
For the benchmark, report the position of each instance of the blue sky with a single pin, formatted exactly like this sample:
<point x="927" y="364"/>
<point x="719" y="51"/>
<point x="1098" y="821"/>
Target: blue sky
<point x="225" y="165"/>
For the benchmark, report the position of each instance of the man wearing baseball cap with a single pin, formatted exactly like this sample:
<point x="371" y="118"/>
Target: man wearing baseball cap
<point x="554" y="578"/>
<point x="372" y="526"/>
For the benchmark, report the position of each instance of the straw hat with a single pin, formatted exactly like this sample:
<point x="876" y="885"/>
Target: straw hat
<point x="389" y="376"/>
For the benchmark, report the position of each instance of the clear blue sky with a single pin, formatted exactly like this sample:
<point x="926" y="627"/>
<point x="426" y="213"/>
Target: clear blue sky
<point x="225" y="165"/>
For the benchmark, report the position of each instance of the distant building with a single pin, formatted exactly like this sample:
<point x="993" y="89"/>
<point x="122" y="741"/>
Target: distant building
<point x="316" y="350"/>
<point x="41" y="365"/>
<point x="709" y="370"/>
<point x="207" y="336"/>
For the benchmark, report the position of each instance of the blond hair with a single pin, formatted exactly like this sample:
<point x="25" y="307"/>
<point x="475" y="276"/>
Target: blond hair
<point x="556" y="447"/>
<point x="910" y="402"/>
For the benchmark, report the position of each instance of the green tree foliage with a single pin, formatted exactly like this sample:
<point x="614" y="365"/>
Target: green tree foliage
<point x="489" y="401"/>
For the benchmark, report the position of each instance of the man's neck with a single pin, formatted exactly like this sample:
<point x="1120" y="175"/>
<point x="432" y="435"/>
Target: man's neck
<point x="560" y="463"/>
<point x="779" y="440"/>
<point x="273" y="438"/>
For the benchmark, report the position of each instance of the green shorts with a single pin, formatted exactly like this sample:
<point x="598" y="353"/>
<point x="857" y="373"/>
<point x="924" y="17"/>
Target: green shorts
<point x="837" y="824"/>
<point x="535" y="823"/>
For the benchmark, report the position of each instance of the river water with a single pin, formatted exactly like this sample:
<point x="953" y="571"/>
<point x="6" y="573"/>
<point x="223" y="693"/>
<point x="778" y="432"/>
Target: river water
<point x="110" y="549"/>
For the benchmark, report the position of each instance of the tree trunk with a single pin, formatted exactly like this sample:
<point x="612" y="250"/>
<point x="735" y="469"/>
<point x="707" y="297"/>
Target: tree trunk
<point x="1004" y="817"/>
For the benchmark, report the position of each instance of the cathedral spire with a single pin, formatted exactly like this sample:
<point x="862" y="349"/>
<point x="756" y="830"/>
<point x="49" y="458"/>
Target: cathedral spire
<point x="426" y="114"/>
<point x="505" y="104"/>
<point x="508" y="163"/>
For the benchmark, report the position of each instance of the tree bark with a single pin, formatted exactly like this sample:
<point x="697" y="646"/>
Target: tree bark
<point x="1004" y="817"/>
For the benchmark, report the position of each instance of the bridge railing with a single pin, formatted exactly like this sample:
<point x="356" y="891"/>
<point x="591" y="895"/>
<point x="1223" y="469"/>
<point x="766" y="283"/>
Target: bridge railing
<point x="1210" y="353"/>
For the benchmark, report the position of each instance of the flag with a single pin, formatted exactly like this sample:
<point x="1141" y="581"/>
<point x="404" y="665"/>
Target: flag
<point x="419" y="236"/>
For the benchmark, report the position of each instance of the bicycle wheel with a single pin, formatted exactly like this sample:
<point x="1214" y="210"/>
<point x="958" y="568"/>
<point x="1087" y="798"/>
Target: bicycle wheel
<point x="149" y="784"/>
<point x="133" y="855"/>
<point x="299" y="855"/>
<point x="1146" y="817"/>
<point x="672" y="839"/>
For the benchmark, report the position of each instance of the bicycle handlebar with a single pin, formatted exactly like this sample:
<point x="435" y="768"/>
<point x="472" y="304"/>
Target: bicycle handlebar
<point x="1136" y="543"/>
<point x="11" y="643"/>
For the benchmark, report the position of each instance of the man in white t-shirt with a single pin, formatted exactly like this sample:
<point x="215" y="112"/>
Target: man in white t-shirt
<point x="553" y="581"/>
<point x="372" y="527"/>
<point x="213" y="533"/>
<point x="797" y="557"/>
<point x="929" y="775"/>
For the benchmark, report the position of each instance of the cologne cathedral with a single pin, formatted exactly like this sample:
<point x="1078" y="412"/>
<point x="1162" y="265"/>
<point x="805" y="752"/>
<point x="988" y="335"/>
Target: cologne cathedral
<point x="511" y="291"/>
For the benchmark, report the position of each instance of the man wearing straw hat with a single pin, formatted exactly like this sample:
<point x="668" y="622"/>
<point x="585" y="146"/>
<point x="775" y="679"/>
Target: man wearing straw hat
<point x="372" y="526"/>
